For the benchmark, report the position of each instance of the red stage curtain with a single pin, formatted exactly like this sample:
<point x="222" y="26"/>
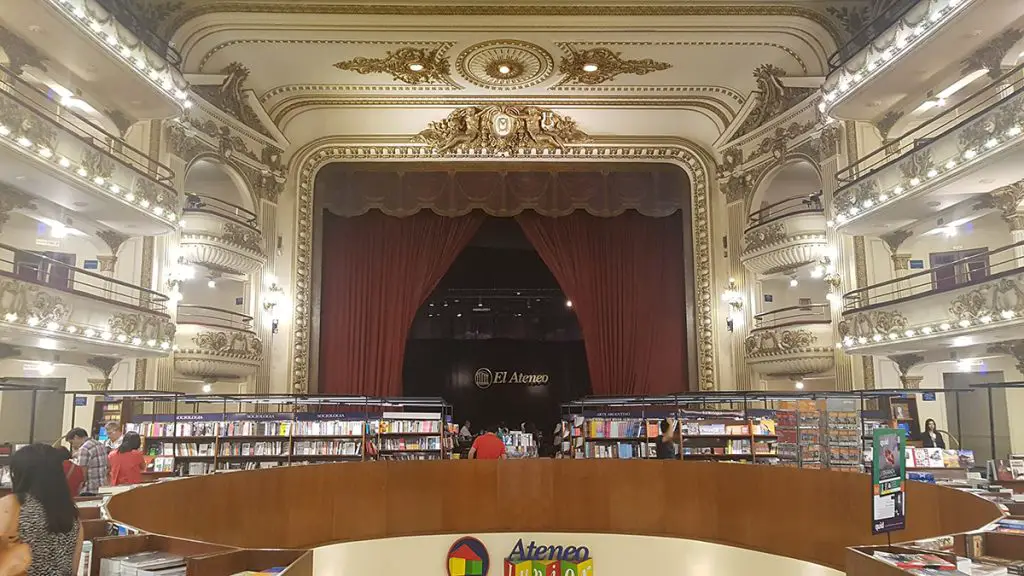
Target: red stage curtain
<point x="624" y="276"/>
<point x="377" y="271"/>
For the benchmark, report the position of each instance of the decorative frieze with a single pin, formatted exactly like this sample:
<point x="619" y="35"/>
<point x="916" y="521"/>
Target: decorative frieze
<point x="990" y="56"/>
<point x="772" y="98"/>
<point x="764" y="236"/>
<point x="409" y="64"/>
<point x="236" y="344"/>
<point x="243" y="236"/>
<point x="778" y="341"/>
<point x="600" y="65"/>
<point x="1003" y="298"/>
<point x="873" y="325"/>
<point x="229" y="98"/>
<point x="503" y="129"/>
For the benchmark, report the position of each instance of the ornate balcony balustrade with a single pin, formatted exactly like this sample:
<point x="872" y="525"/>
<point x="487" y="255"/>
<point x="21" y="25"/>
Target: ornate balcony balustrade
<point x="215" y="344"/>
<point x="45" y="303"/>
<point x="89" y="170"/>
<point x="785" y="235"/>
<point x="974" y="300"/>
<point x="221" y="235"/>
<point x="935" y="165"/>
<point x="905" y="47"/>
<point x="128" y="63"/>
<point x="795" y="340"/>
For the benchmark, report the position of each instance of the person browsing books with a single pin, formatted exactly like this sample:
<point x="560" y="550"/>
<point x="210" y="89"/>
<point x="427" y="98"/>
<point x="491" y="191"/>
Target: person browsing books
<point x="114" y="436"/>
<point x="40" y="534"/>
<point x="932" y="438"/>
<point x="488" y="446"/>
<point x="665" y="444"/>
<point x="92" y="457"/>
<point x="127" y="462"/>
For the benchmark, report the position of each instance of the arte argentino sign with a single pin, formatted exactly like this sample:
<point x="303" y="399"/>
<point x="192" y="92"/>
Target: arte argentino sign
<point x="485" y="377"/>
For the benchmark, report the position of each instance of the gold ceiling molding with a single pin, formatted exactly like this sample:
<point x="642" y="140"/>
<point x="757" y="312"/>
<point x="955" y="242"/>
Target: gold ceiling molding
<point x="773" y="98"/>
<point x="297" y="42"/>
<point x="228" y="97"/>
<point x="713" y="109"/>
<point x="197" y="8"/>
<point x="407" y="64"/>
<point x="505" y="64"/>
<point x="20" y="53"/>
<point x="682" y="153"/>
<point x="704" y="43"/>
<point x="600" y="65"/>
<point x="502" y="129"/>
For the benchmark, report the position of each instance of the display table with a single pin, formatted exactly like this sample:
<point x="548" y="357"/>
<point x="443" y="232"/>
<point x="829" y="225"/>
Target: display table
<point x="811" y="515"/>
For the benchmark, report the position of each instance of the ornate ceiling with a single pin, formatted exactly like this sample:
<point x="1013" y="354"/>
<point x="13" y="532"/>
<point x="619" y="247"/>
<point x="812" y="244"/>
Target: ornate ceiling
<point x="677" y="68"/>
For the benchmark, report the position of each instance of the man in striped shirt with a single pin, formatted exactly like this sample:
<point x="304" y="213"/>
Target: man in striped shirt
<point x="92" y="457"/>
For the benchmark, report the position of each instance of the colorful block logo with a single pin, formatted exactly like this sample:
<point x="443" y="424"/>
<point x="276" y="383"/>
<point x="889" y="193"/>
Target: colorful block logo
<point x="534" y="560"/>
<point x="468" y="557"/>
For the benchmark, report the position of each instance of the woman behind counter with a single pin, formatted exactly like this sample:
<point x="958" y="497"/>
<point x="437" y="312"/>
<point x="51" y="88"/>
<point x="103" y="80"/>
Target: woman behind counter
<point x="932" y="438"/>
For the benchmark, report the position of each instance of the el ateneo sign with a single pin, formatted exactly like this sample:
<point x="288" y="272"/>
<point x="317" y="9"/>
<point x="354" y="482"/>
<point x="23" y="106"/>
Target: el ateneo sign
<point x="485" y="378"/>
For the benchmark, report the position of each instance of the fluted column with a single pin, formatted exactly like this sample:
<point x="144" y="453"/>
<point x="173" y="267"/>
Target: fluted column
<point x="1017" y="236"/>
<point x="262" y="381"/>
<point x="744" y="280"/>
<point x="842" y="253"/>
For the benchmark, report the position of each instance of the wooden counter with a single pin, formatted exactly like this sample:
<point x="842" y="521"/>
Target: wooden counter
<point x="806" y="514"/>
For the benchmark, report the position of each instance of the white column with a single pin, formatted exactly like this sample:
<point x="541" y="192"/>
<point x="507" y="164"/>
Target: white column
<point x="742" y="374"/>
<point x="842" y="250"/>
<point x="1017" y="235"/>
<point x="263" y="319"/>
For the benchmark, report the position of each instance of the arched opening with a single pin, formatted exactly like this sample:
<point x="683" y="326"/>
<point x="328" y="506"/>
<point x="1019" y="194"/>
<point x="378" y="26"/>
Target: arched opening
<point x="217" y="184"/>
<point x="784" y="190"/>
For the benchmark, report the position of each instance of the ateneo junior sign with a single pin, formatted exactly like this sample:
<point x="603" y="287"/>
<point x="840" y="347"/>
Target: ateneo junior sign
<point x="485" y="377"/>
<point x="469" y="557"/>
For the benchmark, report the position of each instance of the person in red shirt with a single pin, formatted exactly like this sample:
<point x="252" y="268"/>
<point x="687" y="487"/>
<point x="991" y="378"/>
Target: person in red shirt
<point x="127" y="462"/>
<point x="72" y="472"/>
<point x="488" y="446"/>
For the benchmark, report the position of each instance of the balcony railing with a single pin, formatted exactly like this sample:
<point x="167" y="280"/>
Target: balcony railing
<point x="38" y="132"/>
<point x="35" y="268"/>
<point x="870" y="31"/>
<point x="196" y="204"/>
<point x="792" y="316"/>
<point x="982" y="102"/>
<point x="973" y="269"/>
<point x="213" y="317"/>
<point x="124" y="12"/>
<point x="801" y="204"/>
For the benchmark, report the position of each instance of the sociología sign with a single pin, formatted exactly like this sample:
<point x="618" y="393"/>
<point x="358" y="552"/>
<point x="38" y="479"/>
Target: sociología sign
<point x="469" y="557"/>
<point x="485" y="377"/>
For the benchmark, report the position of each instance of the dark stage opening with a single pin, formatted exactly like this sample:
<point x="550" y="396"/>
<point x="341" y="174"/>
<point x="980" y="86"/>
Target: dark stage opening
<point x="498" y="310"/>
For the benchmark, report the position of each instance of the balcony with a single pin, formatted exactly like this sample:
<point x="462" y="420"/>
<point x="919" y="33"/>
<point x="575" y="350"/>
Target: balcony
<point x="906" y="47"/>
<point x="937" y="164"/>
<point x="52" y="151"/>
<point x="791" y="341"/>
<point x="221" y="236"/>
<point x="105" y="44"/>
<point x="785" y="235"/>
<point x="974" y="300"/>
<point x="214" y="344"/>
<point x="48" y="305"/>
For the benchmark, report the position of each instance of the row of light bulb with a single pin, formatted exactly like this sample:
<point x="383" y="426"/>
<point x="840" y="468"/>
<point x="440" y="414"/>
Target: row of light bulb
<point x="163" y="79"/>
<point x="970" y="154"/>
<point x="850" y="341"/>
<point x="106" y="335"/>
<point x="850" y="80"/>
<point x="46" y="153"/>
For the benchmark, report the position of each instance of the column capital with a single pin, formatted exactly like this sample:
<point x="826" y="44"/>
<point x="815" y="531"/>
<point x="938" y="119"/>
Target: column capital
<point x="107" y="263"/>
<point x="911" y="382"/>
<point x="901" y="262"/>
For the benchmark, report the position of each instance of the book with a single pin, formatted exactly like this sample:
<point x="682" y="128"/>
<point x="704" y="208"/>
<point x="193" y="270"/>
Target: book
<point x="915" y="561"/>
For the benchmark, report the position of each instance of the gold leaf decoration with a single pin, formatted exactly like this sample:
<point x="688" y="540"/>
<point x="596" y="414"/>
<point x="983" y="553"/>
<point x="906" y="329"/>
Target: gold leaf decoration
<point x="600" y="65"/>
<point x="409" y="65"/>
<point x="506" y="129"/>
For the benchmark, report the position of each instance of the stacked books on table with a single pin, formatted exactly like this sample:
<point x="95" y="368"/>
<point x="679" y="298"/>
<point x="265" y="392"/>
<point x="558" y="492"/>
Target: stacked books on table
<point x="144" y="564"/>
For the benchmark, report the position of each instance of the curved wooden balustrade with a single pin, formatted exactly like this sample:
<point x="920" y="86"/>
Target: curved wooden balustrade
<point x="806" y="514"/>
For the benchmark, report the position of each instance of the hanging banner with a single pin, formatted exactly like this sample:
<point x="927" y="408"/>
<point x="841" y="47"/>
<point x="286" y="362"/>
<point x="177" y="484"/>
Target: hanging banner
<point x="888" y="480"/>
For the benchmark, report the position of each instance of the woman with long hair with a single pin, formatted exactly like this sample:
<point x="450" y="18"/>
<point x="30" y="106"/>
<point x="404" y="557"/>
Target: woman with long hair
<point x="39" y="530"/>
<point x="127" y="462"/>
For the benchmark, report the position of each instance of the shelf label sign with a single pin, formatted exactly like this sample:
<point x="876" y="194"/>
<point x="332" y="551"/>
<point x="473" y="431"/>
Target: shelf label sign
<point x="888" y="480"/>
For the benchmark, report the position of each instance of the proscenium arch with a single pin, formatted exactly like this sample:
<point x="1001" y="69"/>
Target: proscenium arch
<point x="798" y="167"/>
<point x="243" y="197"/>
<point x="691" y="158"/>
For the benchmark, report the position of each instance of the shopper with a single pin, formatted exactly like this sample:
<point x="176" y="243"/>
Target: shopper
<point x="114" y="436"/>
<point x="40" y="516"/>
<point x="127" y="462"/>
<point x="92" y="457"/>
<point x="932" y="438"/>
<point x="665" y="445"/>
<point x="72" y="472"/>
<point x="488" y="446"/>
<point x="466" y="431"/>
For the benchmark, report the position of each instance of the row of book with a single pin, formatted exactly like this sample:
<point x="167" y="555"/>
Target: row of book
<point x="282" y="428"/>
<point x="418" y="443"/>
<point x="405" y="427"/>
<point x="327" y="448"/>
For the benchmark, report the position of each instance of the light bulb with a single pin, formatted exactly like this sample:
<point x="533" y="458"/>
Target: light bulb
<point x="207" y="388"/>
<point x="793" y="282"/>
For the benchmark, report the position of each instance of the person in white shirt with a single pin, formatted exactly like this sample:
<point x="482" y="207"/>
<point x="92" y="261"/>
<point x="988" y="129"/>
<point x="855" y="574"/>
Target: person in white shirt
<point x="465" y="431"/>
<point x="114" y="436"/>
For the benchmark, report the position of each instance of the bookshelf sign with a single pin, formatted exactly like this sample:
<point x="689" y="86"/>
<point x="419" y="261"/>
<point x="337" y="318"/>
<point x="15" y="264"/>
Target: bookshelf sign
<point x="888" y="480"/>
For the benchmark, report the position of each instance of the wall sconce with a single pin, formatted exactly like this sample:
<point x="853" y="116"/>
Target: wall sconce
<point x="734" y="299"/>
<point x="271" y="298"/>
<point x="178" y="274"/>
<point x="826" y="270"/>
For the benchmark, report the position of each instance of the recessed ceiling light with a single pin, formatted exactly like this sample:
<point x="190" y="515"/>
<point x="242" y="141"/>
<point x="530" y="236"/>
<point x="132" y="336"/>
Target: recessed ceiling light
<point x="986" y="180"/>
<point x="81" y="204"/>
<point x="934" y="204"/>
<point x="416" y="67"/>
<point x="590" y="67"/>
<point x="19" y="177"/>
<point x="504" y="69"/>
